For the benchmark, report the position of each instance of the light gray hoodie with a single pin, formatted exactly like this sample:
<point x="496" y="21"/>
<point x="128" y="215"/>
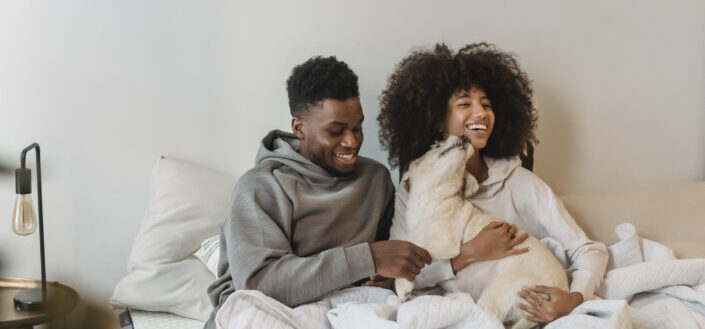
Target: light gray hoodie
<point x="518" y="196"/>
<point x="296" y="232"/>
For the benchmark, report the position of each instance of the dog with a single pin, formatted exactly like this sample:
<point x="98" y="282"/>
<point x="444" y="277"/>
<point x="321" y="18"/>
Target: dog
<point x="439" y="219"/>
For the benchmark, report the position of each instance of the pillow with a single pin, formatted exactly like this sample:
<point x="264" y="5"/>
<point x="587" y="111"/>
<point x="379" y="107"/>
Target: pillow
<point x="187" y="204"/>
<point x="209" y="253"/>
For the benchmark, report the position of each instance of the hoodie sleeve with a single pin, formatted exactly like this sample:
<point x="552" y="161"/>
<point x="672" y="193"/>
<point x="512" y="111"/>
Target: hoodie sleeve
<point x="588" y="258"/>
<point x="260" y="254"/>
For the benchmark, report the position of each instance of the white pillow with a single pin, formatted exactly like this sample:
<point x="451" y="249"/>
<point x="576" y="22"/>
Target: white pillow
<point x="187" y="204"/>
<point x="209" y="253"/>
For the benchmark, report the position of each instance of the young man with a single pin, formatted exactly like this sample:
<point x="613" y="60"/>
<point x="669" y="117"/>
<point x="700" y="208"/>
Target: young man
<point x="304" y="220"/>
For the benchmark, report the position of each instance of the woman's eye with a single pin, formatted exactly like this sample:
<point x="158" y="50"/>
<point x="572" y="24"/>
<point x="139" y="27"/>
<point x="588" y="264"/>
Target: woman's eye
<point x="487" y="106"/>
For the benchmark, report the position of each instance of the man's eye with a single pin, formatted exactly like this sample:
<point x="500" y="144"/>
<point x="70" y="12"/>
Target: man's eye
<point x="335" y="132"/>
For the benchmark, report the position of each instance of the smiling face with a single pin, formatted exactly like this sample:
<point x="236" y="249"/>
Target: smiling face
<point x="470" y="114"/>
<point x="331" y="134"/>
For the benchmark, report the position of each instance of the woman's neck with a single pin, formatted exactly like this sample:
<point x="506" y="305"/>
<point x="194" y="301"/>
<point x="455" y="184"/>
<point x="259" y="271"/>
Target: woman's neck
<point x="477" y="167"/>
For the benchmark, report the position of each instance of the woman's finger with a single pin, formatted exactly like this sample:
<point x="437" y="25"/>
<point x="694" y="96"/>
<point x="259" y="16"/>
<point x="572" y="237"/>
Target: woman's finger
<point x="530" y="310"/>
<point x="512" y="252"/>
<point x="528" y="298"/>
<point x="519" y="239"/>
<point x="494" y="224"/>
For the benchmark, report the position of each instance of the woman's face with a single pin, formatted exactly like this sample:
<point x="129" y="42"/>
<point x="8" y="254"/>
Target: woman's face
<point x="470" y="114"/>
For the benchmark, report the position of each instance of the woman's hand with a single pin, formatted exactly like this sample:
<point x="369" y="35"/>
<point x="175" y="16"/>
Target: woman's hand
<point x="496" y="240"/>
<point x="379" y="281"/>
<point x="542" y="310"/>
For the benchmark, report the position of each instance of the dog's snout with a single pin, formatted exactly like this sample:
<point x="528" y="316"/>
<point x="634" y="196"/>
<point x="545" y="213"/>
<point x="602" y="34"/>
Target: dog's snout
<point x="464" y="138"/>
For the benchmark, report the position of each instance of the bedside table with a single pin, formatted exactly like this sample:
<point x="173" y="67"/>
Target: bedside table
<point x="12" y="318"/>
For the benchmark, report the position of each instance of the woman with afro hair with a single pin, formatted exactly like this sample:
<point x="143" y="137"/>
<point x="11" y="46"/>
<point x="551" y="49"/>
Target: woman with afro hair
<point x="481" y="92"/>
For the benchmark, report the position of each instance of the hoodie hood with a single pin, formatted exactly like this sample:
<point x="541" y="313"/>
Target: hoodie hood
<point x="498" y="170"/>
<point x="283" y="148"/>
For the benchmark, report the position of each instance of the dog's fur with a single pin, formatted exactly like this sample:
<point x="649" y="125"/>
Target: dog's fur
<point x="439" y="219"/>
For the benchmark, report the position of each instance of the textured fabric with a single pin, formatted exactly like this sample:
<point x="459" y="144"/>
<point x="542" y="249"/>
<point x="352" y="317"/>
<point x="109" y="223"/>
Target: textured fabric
<point x="160" y="320"/>
<point x="187" y="204"/>
<point x="209" y="253"/>
<point x="518" y="196"/>
<point x="296" y="232"/>
<point x="369" y="307"/>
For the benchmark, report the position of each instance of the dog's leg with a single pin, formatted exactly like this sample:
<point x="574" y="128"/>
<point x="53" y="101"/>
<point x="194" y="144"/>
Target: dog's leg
<point x="403" y="288"/>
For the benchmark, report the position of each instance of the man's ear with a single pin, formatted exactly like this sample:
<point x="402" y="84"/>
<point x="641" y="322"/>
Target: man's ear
<point x="297" y="127"/>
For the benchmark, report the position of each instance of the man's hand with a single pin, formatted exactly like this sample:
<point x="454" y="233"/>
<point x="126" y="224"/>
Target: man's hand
<point x="380" y="282"/>
<point x="399" y="259"/>
<point x="542" y="310"/>
<point x="496" y="240"/>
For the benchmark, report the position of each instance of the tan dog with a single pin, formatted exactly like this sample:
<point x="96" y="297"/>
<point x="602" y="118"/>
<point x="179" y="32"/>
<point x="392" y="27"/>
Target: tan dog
<point x="439" y="219"/>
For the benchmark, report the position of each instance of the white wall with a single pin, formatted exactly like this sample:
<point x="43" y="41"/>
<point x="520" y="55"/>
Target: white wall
<point x="106" y="87"/>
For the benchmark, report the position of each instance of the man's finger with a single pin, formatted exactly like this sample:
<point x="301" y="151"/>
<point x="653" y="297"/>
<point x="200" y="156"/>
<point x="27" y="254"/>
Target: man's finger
<point x="415" y="261"/>
<point x="422" y="254"/>
<point x="409" y="275"/>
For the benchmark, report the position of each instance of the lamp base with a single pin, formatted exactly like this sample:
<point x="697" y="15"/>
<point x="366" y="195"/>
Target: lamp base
<point x="32" y="300"/>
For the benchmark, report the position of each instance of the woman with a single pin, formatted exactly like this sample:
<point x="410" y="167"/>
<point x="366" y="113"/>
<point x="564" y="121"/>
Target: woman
<point x="481" y="93"/>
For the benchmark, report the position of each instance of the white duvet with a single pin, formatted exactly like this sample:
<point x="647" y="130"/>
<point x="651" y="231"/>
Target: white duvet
<point x="645" y="287"/>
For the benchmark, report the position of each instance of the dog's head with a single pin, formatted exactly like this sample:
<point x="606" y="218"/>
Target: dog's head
<point x="443" y="166"/>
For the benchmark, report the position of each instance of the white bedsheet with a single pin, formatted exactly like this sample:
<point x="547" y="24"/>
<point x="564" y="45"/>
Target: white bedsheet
<point x="646" y="287"/>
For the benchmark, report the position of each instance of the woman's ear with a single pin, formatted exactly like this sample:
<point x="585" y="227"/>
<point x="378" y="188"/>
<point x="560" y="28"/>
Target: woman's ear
<point x="297" y="127"/>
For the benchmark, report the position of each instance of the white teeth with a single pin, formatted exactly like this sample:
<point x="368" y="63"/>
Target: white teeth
<point x="345" y="156"/>
<point x="476" y="127"/>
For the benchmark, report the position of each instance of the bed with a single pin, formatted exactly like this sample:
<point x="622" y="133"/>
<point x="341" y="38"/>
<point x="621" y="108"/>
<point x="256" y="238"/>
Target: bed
<point x="166" y="283"/>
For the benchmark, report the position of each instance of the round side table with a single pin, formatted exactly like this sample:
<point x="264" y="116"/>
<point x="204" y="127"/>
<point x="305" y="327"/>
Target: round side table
<point x="12" y="318"/>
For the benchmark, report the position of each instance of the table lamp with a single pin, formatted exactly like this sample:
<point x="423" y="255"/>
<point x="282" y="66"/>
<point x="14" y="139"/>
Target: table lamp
<point x="24" y="222"/>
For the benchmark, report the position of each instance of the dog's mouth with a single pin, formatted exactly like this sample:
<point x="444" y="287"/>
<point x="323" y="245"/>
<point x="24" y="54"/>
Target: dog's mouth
<point x="461" y="143"/>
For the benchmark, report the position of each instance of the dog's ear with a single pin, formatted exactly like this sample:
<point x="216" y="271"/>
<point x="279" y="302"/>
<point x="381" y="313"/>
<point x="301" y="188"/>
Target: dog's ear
<point x="406" y="181"/>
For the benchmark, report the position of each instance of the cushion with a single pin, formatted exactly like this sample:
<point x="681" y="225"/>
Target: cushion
<point x="188" y="204"/>
<point x="209" y="253"/>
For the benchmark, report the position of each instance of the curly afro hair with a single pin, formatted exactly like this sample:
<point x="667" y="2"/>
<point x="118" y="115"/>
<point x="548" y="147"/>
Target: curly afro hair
<point x="317" y="79"/>
<point x="415" y="103"/>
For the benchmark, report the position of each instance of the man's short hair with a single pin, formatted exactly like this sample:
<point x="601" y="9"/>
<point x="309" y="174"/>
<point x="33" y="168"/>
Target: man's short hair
<point x="318" y="79"/>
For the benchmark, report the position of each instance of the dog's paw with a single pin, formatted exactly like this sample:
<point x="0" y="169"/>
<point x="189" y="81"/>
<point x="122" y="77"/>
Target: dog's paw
<point x="403" y="288"/>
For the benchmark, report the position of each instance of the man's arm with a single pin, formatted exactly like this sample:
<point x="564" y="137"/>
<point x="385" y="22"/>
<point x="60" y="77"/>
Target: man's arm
<point x="260" y="254"/>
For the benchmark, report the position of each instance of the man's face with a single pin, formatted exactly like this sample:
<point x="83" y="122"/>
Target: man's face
<point x="331" y="134"/>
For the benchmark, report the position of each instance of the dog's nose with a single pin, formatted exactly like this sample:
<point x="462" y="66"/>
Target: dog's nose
<point x="464" y="138"/>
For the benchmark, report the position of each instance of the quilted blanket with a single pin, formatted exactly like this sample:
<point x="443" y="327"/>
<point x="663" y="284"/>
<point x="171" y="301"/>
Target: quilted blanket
<point x="645" y="287"/>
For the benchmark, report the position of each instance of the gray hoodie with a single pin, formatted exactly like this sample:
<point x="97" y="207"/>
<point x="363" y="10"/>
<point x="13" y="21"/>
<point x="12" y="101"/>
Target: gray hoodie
<point x="296" y="232"/>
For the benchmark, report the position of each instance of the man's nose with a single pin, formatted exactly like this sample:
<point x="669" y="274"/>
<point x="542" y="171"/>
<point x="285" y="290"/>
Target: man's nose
<point x="350" y="140"/>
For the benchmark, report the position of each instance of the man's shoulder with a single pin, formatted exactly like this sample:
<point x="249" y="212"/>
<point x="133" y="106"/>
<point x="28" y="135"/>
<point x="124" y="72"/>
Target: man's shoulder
<point x="373" y="167"/>
<point x="258" y="175"/>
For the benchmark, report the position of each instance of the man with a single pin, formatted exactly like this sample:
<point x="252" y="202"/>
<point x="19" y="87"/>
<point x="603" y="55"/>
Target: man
<point x="304" y="220"/>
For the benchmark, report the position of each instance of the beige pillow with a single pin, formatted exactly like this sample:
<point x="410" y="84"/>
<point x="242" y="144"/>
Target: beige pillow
<point x="187" y="204"/>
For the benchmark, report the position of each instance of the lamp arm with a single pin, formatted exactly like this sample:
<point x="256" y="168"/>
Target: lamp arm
<point x="41" y="215"/>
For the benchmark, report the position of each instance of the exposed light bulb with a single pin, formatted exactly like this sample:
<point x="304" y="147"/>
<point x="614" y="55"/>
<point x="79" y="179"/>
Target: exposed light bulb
<point x="24" y="222"/>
